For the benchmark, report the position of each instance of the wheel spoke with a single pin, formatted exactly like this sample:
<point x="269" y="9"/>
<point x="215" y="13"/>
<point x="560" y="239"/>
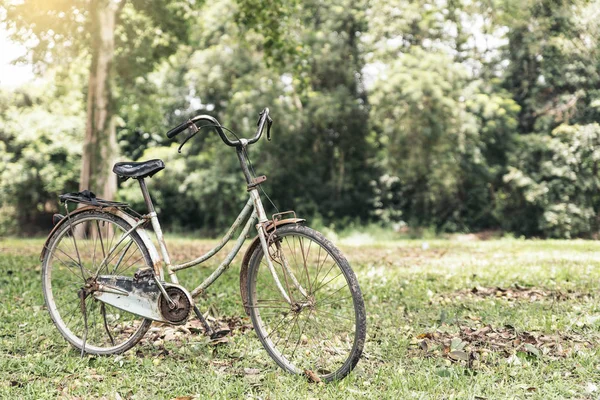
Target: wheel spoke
<point x="301" y="333"/>
<point x="109" y="329"/>
<point x="335" y="301"/>
<point x="321" y="333"/>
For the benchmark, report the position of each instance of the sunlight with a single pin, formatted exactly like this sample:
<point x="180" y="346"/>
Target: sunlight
<point x="12" y="76"/>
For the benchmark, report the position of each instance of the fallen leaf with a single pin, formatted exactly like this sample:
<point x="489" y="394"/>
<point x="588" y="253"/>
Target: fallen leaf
<point x="251" y="371"/>
<point x="459" y="355"/>
<point x="591" y="387"/>
<point x="532" y="349"/>
<point x="312" y="377"/>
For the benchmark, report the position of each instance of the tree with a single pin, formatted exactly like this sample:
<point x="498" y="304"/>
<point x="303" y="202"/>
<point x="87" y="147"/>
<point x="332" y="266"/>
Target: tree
<point x="554" y="55"/>
<point x="120" y="40"/>
<point x="444" y="124"/>
<point x="40" y="152"/>
<point x="320" y="160"/>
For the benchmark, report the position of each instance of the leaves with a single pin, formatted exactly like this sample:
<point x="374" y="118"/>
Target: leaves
<point x="312" y="376"/>
<point x="471" y="344"/>
<point x="459" y="355"/>
<point x="511" y="294"/>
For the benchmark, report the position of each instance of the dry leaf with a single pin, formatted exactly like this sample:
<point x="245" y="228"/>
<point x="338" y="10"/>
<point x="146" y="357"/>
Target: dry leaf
<point x="251" y="371"/>
<point x="459" y="355"/>
<point x="312" y="377"/>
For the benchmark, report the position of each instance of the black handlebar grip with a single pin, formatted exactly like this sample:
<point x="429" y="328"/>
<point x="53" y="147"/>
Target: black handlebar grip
<point x="178" y="129"/>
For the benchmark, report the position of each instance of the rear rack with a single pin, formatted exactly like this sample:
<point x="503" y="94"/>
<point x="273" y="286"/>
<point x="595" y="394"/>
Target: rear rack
<point x="87" y="197"/>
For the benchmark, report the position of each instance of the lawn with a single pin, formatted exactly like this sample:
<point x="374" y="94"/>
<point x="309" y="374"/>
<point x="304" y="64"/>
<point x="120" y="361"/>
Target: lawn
<point x="462" y="319"/>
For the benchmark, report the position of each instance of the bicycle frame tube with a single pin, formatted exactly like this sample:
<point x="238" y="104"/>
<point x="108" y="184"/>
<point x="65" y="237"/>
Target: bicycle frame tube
<point x="254" y="208"/>
<point x="262" y="220"/>
<point x="241" y="217"/>
<point x="225" y="264"/>
<point x="247" y="212"/>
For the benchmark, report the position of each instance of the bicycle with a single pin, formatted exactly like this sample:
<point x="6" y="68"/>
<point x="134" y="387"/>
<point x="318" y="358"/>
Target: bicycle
<point x="104" y="281"/>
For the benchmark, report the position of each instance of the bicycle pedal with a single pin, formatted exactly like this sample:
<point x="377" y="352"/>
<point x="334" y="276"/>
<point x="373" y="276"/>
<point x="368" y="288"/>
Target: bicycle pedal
<point x="222" y="332"/>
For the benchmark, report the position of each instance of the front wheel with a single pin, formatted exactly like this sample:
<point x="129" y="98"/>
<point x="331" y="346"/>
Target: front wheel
<point x="322" y="332"/>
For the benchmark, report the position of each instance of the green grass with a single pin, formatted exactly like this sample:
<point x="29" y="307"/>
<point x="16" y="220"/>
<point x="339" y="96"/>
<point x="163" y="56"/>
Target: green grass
<point x="410" y="287"/>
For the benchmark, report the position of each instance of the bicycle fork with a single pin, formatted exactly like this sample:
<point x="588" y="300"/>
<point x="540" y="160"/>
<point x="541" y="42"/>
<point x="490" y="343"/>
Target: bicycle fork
<point x="262" y="234"/>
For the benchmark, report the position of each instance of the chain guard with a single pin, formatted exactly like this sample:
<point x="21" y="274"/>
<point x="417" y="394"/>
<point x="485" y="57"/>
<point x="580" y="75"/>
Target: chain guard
<point x="142" y="297"/>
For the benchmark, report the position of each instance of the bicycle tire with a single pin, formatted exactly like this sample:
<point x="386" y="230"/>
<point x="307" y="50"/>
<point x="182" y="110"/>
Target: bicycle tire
<point x="315" y="349"/>
<point x="62" y="233"/>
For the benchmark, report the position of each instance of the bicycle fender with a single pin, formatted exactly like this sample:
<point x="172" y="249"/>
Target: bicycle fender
<point x="248" y="254"/>
<point x="156" y="261"/>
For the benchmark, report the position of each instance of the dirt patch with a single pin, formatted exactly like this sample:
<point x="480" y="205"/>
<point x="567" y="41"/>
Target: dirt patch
<point x="513" y="293"/>
<point x="483" y="235"/>
<point x="473" y="346"/>
<point x="393" y="257"/>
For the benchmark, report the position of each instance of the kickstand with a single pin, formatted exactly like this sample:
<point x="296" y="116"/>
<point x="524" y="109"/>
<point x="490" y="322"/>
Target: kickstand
<point x="81" y="294"/>
<point x="207" y="329"/>
<point x="103" y="311"/>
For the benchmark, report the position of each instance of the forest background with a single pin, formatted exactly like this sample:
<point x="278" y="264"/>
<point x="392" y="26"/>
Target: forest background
<point x="408" y="116"/>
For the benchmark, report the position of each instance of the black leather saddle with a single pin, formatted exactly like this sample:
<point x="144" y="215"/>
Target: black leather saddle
<point x="138" y="170"/>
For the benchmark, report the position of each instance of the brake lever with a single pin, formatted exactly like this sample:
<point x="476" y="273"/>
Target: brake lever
<point x="185" y="141"/>
<point x="192" y="126"/>
<point x="269" y="123"/>
<point x="260" y="114"/>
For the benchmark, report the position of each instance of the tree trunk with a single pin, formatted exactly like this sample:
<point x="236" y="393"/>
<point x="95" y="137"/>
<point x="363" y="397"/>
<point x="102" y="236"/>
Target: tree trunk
<point x="100" y="146"/>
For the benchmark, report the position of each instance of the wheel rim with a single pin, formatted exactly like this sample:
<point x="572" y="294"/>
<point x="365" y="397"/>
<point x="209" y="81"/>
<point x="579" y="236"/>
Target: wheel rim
<point x="109" y="329"/>
<point x="318" y="332"/>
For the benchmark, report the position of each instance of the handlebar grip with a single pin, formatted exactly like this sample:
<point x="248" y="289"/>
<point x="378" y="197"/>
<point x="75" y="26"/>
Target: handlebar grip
<point x="263" y="119"/>
<point x="178" y="129"/>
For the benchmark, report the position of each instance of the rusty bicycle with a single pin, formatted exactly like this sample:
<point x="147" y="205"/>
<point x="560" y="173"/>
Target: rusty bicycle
<point x="104" y="281"/>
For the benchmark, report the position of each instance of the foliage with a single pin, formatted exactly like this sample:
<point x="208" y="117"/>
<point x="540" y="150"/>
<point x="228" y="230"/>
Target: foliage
<point x="58" y="32"/>
<point x="443" y="138"/>
<point x="553" y="184"/>
<point x="40" y="150"/>
<point x="318" y="161"/>
<point x="449" y="116"/>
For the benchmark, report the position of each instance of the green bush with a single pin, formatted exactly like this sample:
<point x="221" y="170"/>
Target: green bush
<point x="552" y="187"/>
<point x="40" y="150"/>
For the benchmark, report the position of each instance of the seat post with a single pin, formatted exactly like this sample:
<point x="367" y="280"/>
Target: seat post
<point x="157" y="231"/>
<point x="146" y="195"/>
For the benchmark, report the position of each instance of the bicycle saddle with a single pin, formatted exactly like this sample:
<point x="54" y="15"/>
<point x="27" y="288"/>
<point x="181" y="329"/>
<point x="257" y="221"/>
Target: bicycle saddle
<point x="138" y="170"/>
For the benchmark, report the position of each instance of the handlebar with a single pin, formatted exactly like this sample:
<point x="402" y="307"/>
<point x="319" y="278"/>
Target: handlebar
<point x="263" y="118"/>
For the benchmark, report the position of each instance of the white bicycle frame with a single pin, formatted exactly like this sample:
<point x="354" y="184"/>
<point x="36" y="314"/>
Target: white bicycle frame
<point x="255" y="214"/>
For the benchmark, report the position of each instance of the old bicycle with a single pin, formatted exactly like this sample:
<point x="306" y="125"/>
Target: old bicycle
<point x="104" y="281"/>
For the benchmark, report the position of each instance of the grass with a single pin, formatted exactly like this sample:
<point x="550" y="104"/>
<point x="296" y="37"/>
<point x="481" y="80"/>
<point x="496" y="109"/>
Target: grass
<point x="420" y="302"/>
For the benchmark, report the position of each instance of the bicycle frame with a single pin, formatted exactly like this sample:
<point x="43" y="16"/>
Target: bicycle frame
<point x="254" y="214"/>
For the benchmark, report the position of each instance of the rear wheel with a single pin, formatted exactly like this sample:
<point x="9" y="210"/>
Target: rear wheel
<point x="78" y="252"/>
<point x="322" y="331"/>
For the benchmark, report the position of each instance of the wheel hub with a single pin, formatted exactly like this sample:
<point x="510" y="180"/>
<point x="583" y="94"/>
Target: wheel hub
<point x="309" y="303"/>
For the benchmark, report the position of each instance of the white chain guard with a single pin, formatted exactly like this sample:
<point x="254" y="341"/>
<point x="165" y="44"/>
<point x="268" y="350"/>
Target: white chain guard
<point x="137" y="297"/>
